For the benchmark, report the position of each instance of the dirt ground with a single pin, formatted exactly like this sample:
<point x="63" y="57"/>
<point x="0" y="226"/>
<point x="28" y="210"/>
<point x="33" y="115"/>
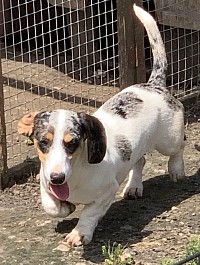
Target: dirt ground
<point x="151" y="228"/>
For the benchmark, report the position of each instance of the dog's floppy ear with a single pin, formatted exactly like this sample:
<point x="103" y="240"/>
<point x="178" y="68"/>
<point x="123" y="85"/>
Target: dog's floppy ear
<point x="26" y="124"/>
<point x="96" y="137"/>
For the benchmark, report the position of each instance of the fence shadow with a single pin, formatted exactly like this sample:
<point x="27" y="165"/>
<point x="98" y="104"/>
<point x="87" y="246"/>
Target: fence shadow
<point x="52" y="93"/>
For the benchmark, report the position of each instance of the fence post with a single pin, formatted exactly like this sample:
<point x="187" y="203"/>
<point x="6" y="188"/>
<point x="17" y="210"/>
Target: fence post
<point x="131" y="45"/>
<point x="3" y="149"/>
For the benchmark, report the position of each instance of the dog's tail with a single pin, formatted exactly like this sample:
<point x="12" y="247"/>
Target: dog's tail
<point x="158" y="75"/>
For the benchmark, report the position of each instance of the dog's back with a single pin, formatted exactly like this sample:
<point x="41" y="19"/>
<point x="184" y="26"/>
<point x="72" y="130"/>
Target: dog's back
<point x="146" y="115"/>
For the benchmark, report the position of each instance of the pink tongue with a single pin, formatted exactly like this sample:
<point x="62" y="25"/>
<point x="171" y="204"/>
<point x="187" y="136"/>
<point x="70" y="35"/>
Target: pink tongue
<point x="61" y="192"/>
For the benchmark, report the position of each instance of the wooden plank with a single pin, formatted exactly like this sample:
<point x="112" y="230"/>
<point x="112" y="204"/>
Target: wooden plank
<point x="178" y="13"/>
<point x="131" y="51"/>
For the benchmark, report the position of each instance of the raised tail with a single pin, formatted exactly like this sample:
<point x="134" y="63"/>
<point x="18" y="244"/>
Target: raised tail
<point x="158" y="75"/>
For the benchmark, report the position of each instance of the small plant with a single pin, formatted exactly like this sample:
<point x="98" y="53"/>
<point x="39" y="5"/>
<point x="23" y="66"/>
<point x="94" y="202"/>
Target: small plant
<point x="192" y="247"/>
<point x="167" y="261"/>
<point x="115" y="255"/>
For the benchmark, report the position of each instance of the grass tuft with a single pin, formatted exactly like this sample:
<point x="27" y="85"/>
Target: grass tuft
<point x="115" y="255"/>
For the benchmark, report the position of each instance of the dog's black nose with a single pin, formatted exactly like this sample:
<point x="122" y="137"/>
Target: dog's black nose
<point x="57" y="178"/>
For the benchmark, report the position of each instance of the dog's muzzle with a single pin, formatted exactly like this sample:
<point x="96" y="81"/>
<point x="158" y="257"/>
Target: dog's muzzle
<point x="58" y="186"/>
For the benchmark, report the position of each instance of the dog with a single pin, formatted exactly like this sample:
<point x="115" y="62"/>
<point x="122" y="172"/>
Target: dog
<point x="84" y="158"/>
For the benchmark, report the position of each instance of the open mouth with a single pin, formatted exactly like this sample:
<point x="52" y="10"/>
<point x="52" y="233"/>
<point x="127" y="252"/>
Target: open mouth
<point x="61" y="192"/>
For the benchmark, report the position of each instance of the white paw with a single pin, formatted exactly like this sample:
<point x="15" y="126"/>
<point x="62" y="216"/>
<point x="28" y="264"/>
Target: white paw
<point x="132" y="192"/>
<point x="176" y="167"/>
<point x="177" y="176"/>
<point x="76" y="238"/>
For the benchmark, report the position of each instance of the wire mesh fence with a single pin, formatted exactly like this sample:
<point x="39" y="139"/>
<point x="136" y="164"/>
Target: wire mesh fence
<point x="56" y="55"/>
<point x="179" y="25"/>
<point x="65" y="54"/>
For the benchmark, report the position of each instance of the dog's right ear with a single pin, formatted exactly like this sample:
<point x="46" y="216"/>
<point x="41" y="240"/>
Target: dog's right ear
<point x="26" y="124"/>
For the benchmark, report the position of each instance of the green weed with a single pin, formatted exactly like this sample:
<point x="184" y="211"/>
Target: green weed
<point x="115" y="255"/>
<point x="192" y="247"/>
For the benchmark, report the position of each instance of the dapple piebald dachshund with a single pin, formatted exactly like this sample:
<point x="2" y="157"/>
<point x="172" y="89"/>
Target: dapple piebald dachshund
<point x="84" y="158"/>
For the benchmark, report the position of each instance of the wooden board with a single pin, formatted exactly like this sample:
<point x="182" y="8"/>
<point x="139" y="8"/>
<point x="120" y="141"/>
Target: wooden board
<point x="179" y="13"/>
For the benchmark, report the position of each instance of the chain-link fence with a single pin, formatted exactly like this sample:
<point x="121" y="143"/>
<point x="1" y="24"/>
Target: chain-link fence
<point x="67" y="54"/>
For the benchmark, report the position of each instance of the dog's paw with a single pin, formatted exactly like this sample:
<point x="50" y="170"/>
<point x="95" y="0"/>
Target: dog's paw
<point x="176" y="172"/>
<point x="177" y="176"/>
<point x="131" y="192"/>
<point x="76" y="238"/>
<point x="197" y="147"/>
<point x="176" y="167"/>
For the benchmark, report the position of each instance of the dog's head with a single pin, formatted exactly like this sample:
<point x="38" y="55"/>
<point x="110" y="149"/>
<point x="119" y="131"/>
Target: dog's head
<point x="58" y="137"/>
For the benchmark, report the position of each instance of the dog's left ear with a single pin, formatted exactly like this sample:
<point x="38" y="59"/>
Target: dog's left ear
<point x="26" y="124"/>
<point x="96" y="137"/>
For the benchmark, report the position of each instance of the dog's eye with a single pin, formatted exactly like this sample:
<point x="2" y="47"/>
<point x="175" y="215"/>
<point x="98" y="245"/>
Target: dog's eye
<point x="70" y="147"/>
<point x="44" y="145"/>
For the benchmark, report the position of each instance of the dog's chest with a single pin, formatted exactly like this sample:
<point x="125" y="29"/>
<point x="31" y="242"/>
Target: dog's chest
<point x="81" y="196"/>
<point x="85" y="187"/>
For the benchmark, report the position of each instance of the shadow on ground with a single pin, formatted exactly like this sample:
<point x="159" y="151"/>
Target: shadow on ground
<point x="126" y="220"/>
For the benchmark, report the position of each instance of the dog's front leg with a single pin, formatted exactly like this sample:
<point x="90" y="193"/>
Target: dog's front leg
<point x="90" y="215"/>
<point x="53" y="206"/>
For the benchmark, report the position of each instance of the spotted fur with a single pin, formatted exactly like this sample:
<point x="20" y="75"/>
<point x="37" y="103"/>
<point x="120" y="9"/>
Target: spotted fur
<point x="171" y="101"/>
<point x="91" y="155"/>
<point x="126" y="105"/>
<point x="123" y="147"/>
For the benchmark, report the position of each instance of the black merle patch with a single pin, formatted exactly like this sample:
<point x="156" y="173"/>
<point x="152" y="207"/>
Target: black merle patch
<point x="158" y="75"/>
<point x="40" y="119"/>
<point x="172" y="102"/>
<point x="72" y="146"/>
<point x="154" y="89"/>
<point x="125" y="104"/>
<point x="124" y="147"/>
<point x="41" y="128"/>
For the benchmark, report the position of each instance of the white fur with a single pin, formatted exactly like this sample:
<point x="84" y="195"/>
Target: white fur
<point x="156" y="126"/>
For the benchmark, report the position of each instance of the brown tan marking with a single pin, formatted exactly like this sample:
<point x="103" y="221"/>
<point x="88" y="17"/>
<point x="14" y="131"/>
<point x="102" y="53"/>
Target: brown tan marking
<point x="49" y="136"/>
<point x="67" y="138"/>
<point x="42" y="156"/>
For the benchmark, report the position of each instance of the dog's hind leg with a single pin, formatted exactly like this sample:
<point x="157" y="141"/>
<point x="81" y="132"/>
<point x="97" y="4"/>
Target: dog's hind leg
<point x="134" y="186"/>
<point x="176" y="166"/>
